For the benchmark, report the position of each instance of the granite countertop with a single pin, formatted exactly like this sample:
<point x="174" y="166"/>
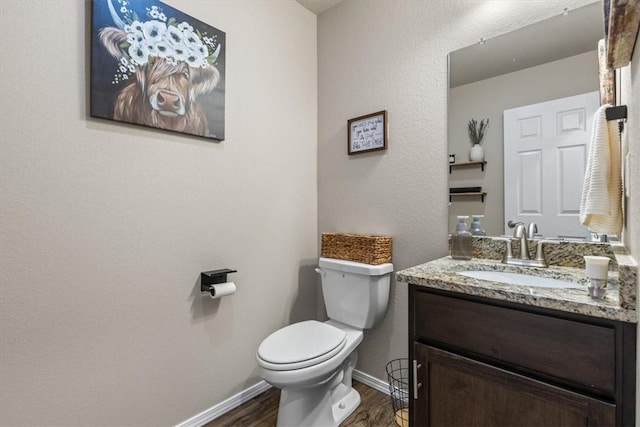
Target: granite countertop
<point x="442" y="274"/>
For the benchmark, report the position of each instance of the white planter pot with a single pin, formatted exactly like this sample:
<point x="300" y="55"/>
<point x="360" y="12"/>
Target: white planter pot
<point x="477" y="153"/>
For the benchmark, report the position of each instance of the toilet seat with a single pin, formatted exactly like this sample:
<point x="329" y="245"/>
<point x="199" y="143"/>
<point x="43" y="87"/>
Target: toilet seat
<point x="301" y="345"/>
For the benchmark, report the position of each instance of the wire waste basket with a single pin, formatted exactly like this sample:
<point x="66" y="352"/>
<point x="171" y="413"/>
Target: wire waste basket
<point x="398" y="376"/>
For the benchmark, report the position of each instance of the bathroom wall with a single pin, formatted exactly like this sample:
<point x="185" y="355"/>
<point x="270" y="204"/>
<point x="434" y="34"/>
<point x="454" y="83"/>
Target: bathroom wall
<point x="488" y="99"/>
<point x="375" y="55"/>
<point x="105" y="227"/>
<point x="630" y="95"/>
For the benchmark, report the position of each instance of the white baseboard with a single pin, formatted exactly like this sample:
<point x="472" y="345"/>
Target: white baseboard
<point x="223" y="407"/>
<point x="233" y="402"/>
<point x="372" y="382"/>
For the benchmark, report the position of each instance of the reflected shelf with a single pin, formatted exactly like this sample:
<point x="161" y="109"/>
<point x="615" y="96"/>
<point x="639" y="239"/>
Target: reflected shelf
<point x="481" y="194"/>
<point x="480" y="163"/>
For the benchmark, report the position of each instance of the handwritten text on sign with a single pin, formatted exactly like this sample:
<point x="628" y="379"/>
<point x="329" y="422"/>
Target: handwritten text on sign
<point x="367" y="134"/>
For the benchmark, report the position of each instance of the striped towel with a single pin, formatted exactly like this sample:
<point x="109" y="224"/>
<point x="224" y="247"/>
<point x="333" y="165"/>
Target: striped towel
<point x="601" y="205"/>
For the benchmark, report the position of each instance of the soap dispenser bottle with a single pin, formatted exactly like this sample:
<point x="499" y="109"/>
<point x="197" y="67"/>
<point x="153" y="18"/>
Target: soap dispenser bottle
<point x="461" y="241"/>
<point x="476" y="228"/>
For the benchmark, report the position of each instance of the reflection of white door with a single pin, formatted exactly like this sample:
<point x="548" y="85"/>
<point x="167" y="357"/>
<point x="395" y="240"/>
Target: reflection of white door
<point x="545" y="157"/>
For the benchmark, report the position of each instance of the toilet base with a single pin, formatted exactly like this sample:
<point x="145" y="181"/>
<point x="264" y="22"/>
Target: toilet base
<point x="315" y="410"/>
<point x="324" y="405"/>
<point x="345" y="407"/>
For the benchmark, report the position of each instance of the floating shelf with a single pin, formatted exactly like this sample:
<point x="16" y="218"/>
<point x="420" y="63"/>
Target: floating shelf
<point x="455" y="165"/>
<point x="481" y="194"/>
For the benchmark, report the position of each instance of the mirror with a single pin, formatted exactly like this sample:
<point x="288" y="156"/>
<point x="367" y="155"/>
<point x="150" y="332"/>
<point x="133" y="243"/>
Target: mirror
<point x="552" y="59"/>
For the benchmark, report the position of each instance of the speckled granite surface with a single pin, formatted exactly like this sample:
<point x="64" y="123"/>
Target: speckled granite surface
<point x="561" y="253"/>
<point x="618" y="304"/>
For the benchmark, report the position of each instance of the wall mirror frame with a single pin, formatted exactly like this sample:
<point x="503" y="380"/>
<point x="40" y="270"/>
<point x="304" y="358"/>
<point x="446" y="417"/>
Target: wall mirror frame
<point x="622" y="22"/>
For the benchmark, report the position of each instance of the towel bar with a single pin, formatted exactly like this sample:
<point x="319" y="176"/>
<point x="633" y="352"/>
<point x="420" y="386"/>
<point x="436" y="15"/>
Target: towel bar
<point x="616" y="113"/>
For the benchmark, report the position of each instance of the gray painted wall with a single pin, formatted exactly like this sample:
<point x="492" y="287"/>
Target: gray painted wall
<point x="630" y="95"/>
<point x="105" y="227"/>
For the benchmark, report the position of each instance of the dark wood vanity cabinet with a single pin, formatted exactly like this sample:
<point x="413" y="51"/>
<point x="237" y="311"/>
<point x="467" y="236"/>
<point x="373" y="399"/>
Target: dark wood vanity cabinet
<point x="464" y="392"/>
<point x="482" y="362"/>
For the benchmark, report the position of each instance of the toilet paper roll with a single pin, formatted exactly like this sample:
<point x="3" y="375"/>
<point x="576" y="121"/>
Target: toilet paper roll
<point x="222" y="289"/>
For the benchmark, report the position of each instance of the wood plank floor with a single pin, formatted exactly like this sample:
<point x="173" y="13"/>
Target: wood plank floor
<point x="262" y="411"/>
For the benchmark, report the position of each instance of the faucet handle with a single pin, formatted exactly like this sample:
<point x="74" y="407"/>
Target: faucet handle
<point x="540" y="252"/>
<point x="508" y="254"/>
<point x="532" y="229"/>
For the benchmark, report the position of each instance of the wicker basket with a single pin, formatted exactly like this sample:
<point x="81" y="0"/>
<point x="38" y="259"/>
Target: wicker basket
<point x="364" y="248"/>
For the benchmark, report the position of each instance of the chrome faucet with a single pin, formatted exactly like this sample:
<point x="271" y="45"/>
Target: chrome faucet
<point x="520" y="233"/>
<point x="524" y="259"/>
<point x="532" y="229"/>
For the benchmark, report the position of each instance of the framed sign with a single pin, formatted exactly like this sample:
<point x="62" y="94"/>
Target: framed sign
<point x="367" y="133"/>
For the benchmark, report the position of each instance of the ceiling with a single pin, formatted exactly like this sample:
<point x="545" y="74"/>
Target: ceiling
<point x="555" y="38"/>
<point x="318" y="6"/>
<point x="549" y="40"/>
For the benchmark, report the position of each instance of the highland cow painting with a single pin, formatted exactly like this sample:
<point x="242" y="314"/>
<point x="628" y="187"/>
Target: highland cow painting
<point x="155" y="66"/>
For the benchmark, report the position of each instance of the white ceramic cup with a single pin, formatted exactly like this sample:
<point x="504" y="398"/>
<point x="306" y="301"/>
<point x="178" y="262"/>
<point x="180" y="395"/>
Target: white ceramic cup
<point x="597" y="267"/>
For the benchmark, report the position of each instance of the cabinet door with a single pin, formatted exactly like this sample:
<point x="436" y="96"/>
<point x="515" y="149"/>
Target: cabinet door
<point x="457" y="391"/>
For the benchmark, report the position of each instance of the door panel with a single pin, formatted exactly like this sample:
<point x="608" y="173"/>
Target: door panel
<point x="529" y="191"/>
<point x="545" y="156"/>
<point x="458" y="391"/>
<point x="571" y="163"/>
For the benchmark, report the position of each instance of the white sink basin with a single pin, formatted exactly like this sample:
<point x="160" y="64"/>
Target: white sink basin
<point x="520" y="279"/>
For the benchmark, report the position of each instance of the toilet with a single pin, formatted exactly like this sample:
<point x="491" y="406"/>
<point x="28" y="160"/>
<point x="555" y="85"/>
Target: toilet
<point x="312" y="362"/>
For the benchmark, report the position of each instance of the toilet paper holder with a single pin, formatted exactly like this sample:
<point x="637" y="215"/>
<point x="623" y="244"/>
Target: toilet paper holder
<point x="213" y="277"/>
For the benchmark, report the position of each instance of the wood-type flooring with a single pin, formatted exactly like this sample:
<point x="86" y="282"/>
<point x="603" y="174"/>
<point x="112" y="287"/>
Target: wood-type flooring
<point x="262" y="411"/>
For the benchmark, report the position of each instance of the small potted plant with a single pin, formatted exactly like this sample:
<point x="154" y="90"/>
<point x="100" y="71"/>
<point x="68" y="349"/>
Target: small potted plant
<point x="476" y="135"/>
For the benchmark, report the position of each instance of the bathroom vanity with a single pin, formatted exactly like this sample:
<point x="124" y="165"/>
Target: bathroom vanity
<point x="494" y="354"/>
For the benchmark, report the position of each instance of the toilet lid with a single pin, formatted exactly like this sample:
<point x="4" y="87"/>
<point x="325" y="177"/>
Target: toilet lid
<point x="301" y="345"/>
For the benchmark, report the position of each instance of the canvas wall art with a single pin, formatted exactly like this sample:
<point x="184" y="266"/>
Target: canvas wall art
<point x="155" y="66"/>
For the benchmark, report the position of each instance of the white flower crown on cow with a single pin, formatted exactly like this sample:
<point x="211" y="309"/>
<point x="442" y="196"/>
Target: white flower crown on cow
<point x="159" y="37"/>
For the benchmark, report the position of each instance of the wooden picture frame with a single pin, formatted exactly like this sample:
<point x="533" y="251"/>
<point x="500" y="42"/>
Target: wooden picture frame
<point x="621" y="26"/>
<point x="606" y="76"/>
<point x="367" y="133"/>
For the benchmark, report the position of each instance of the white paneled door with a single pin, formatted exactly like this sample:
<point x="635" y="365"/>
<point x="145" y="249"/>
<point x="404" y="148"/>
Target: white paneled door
<point x="545" y="157"/>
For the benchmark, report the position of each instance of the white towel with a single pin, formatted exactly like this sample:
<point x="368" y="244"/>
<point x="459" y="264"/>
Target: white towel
<point x="601" y="205"/>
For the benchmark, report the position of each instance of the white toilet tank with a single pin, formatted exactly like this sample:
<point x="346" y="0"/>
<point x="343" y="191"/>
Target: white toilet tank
<point x="355" y="294"/>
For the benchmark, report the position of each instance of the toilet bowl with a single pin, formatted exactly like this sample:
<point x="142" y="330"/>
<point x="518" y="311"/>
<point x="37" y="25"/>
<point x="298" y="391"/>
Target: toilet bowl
<point x="318" y="393"/>
<point x="306" y="351"/>
<point x="312" y="362"/>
